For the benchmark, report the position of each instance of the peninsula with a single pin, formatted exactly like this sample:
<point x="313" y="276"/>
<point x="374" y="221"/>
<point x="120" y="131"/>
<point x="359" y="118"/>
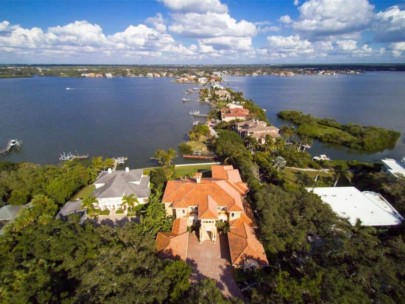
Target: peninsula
<point x="364" y="138"/>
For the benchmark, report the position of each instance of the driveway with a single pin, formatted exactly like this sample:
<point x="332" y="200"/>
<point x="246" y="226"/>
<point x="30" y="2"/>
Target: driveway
<point x="209" y="260"/>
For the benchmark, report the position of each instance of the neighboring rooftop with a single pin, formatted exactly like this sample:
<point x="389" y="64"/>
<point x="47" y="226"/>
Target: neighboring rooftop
<point x="9" y="212"/>
<point x="370" y="208"/>
<point x="120" y="183"/>
<point x="394" y="167"/>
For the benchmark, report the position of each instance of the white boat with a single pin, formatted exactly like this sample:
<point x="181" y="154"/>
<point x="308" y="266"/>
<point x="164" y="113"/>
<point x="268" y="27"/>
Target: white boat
<point x="66" y="156"/>
<point x="67" y="89"/>
<point x="186" y="99"/>
<point x="321" y="157"/>
<point x="194" y="112"/>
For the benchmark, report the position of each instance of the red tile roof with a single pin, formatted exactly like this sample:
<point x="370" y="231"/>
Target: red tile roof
<point x="171" y="245"/>
<point x="234" y="112"/>
<point x="244" y="245"/>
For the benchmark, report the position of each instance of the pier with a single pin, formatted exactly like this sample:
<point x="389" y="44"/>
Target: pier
<point x="197" y="114"/>
<point x="119" y="161"/>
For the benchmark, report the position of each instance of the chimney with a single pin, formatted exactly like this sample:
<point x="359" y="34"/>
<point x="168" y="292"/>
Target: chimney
<point x="126" y="169"/>
<point x="109" y="171"/>
<point x="198" y="177"/>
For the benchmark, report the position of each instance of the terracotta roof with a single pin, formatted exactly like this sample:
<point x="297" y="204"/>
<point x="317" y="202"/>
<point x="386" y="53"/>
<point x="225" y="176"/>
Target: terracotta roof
<point x="172" y="245"/>
<point x="234" y="112"/>
<point x="243" y="244"/>
<point x="179" y="226"/>
<point x="220" y="172"/>
<point x="193" y="194"/>
<point x="208" y="209"/>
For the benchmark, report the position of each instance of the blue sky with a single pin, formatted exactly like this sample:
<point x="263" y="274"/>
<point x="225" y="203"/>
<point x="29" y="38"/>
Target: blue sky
<point x="202" y="31"/>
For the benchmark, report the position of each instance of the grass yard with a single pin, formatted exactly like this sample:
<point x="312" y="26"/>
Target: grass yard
<point x="292" y="175"/>
<point x="84" y="193"/>
<point x="189" y="170"/>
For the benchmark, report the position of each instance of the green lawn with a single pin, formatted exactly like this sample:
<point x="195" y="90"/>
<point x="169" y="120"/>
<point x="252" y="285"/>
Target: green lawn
<point x="291" y="174"/>
<point x="189" y="170"/>
<point x="84" y="193"/>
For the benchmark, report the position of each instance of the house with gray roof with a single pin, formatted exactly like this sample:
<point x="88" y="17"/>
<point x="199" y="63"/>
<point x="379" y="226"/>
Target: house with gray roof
<point x="112" y="186"/>
<point x="8" y="213"/>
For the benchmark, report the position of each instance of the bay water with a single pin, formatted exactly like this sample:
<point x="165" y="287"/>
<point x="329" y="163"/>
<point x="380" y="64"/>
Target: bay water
<point x="135" y="116"/>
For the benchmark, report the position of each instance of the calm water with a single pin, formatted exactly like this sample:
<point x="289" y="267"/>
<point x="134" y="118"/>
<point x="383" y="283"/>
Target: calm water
<point x="376" y="98"/>
<point x="108" y="117"/>
<point x="134" y="117"/>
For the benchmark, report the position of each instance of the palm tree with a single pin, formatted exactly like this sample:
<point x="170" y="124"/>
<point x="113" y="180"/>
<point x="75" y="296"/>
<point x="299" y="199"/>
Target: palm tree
<point x="287" y="132"/>
<point x="89" y="202"/>
<point x="129" y="201"/>
<point x="342" y="170"/>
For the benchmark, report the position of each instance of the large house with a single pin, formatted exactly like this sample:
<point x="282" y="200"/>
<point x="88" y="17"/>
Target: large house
<point x="257" y="129"/>
<point x="112" y="186"/>
<point x="203" y="202"/>
<point x="233" y="113"/>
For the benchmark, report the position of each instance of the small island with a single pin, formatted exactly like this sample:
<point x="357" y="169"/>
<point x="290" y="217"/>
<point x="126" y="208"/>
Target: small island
<point x="364" y="138"/>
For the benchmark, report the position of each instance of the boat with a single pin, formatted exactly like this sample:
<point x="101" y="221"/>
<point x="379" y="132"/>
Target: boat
<point x="67" y="89"/>
<point x="10" y="144"/>
<point x="65" y="156"/>
<point x="194" y="112"/>
<point x="69" y="156"/>
<point x="186" y="99"/>
<point x="321" y="157"/>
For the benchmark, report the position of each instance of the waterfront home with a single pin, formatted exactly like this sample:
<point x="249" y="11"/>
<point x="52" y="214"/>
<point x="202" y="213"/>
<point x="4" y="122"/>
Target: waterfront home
<point x="371" y="208"/>
<point x="394" y="167"/>
<point x="222" y="94"/>
<point x="229" y="114"/>
<point x="257" y="129"/>
<point x="203" y="203"/>
<point x="8" y="213"/>
<point x="112" y="186"/>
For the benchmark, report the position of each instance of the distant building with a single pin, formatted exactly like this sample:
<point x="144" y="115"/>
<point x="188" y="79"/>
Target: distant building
<point x="108" y="75"/>
<point x="393" y="167"/>
<point x="371" y="208"/>
<point x="229" y="114"/>
<point x="204" y="202"/>
<point x="257" y="129"/>
<point x="202" y="80"/>
<point x="112" y="186"/>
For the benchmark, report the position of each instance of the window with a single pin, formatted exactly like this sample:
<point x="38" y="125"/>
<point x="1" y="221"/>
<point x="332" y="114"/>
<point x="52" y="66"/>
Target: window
<point x="232" y="214"/>
<point x="184" y="211"/>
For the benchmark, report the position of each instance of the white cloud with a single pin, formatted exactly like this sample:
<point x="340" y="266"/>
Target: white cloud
<point x="157" y="22"/>
<point x="286" y="19"/>
<point x="228" y="43"/>
<point x="196" y="6"/>
<point x="333" y="17"/>
<point x="390" y="25"/>
<point x="74" y="40"/>
<point x="289" y="46"/>
<point x="296" y="2"/>
<point x="76" y="33"/>
<point x="398" y="49"/>
<point x="210" y="25"/>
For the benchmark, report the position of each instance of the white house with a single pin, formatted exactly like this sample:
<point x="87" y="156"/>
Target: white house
<point x="371" y="208"/>
<point x="112" y="186"/>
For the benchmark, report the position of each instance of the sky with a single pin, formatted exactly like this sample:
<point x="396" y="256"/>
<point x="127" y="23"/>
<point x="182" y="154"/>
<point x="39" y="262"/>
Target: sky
<point x="201" y="31"/>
